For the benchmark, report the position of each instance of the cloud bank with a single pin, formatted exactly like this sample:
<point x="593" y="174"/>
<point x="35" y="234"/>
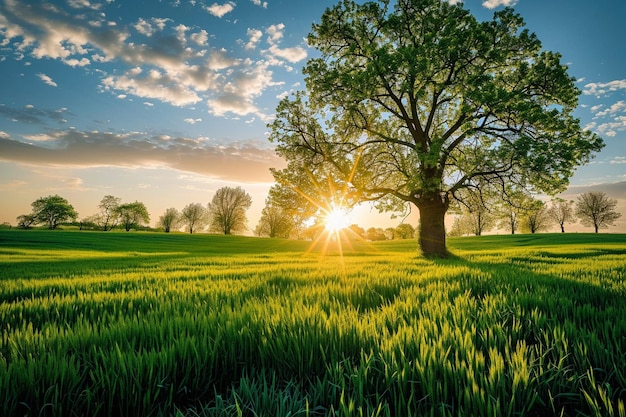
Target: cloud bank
<point x="245" y="162"/>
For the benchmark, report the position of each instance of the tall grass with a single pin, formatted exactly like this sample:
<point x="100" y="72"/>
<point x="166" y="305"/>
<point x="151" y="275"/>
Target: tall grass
<point x="113" y="324"/>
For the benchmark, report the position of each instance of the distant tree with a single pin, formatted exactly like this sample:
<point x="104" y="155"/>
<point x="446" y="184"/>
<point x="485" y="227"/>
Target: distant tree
<point x="227" y="210"/>
<point x="89" y="223"/>
<point x="169" y="220"/>
<point x="596" y="209"/>
<point x="108" y="217"/>
<point x="510" y="209"/>
<point x="475" y="206"/>
<point x="535" y="217"/>
<point x="356" y="231"/>
<point x="405" y="231"/>
<point x="562" y="211"/>
<point x="390" y="233"/>
<point x="133" y="215"/>
<point x="194" y="217"/>
<point x="26" y="221"/>
<point x="53" y="210"/>
<point x="459" y="227"/>
<point x="274" y="222"/>
<point x="5" y="225"/>
<point x="375" y="233"/>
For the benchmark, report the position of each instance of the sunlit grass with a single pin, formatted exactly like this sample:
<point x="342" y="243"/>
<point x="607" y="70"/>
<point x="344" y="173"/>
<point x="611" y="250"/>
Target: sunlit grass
<point x="148" y="324"/>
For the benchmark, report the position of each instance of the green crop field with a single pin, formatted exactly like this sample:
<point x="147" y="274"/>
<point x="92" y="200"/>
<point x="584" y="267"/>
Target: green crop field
<point x="141" y="324"/>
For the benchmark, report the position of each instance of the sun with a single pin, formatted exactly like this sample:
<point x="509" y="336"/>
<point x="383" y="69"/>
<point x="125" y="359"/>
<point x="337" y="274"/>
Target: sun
<point x="336" y="219"/>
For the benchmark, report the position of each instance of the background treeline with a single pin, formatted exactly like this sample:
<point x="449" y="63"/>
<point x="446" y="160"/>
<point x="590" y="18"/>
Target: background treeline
<point x="475" y="214"/>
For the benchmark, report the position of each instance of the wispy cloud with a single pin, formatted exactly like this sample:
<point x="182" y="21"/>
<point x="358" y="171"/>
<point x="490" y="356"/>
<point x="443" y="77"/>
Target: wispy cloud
<point x="247" y="162"/>
<point x="46" y="79"/>
<point x="260" y="3"/>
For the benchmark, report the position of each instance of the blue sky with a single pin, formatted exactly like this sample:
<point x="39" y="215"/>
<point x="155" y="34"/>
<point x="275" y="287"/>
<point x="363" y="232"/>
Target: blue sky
<point x="166" y="101"/>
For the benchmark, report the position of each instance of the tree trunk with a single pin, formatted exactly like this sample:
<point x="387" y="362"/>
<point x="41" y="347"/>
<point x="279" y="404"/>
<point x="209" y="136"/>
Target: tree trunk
<point x="432" y="231"/>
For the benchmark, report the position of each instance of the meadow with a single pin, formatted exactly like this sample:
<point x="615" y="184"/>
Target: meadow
<point x="146" y="324"/>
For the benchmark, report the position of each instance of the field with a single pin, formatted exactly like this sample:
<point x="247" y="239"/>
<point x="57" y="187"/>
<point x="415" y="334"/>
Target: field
<point x="140" y="324"/>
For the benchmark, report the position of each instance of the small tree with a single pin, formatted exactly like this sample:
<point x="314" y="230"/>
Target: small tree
<point x="108" y="217"/>
<point x="133" y="215"/>
<point x="169" y="220"/>
<point x="194" y="217"/>
<point x="405" y="231"/>
<point x="53" y="210"/>
<point x="375" y="233"/>
<point x="274" y="222"/>
<point x="475" y="215"/>
<point x="511" y="209"/>
<point x="535" y="217"/>
<point x="25" y="221"/>
<point x="596" y="209"/>
<point x="561" y="211"/>
<point x="227" y="210"/>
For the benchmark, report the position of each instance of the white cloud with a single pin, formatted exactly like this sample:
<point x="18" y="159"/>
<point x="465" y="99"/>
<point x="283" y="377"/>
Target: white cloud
<point x="492" y="4"/>
<point x="275" y="33"/>
<point x="260" y="3"/>
<point x="219" y="10"/>
<point x="192" y="121"/>
<point x="46" y="79"/>
<point x="294" y="54"/>
<point x="615" y="108"/>
<point x="255" y="36"/>
<point x="618" y="160"/>
<point x="201" y="38"/>
<point x="600" y="89"/>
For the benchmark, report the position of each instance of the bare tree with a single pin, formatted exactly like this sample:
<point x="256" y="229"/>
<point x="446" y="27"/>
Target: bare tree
<point x="194" y="217"/>
<point x="169" y="220"/>
<point x="227" y="210"/>
<point x="596" y="209"/>
<point x="109" y="215"/>
<point x="562" y="211"/>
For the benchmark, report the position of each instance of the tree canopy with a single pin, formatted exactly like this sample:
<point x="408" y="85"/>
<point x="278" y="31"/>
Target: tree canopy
<point x="52" y="210"/>
<point x="412" y="101"/>
<point x="227" y="210"/>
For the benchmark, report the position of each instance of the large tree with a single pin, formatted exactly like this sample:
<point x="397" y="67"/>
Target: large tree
<point x="227" y="210"/>
<point x="53" y="210"/>
<point x="410" y="101"/>
<point x="596" y="209"/>
<point x="133" y="215"/>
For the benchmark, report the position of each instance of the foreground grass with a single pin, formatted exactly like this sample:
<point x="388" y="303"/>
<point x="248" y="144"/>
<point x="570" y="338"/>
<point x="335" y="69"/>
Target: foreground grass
<point x="152" y="324"/>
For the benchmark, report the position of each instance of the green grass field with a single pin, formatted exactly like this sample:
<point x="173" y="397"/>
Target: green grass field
<point x="146" y="324"/>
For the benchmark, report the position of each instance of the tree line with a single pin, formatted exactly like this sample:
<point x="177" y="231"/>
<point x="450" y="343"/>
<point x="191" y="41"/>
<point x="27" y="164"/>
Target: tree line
<point x="481" y="213"/>
<point x="226" y="213"/>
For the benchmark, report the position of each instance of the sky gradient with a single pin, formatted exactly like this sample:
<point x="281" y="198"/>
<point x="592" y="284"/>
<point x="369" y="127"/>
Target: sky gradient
<point x="166" y="101"/>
